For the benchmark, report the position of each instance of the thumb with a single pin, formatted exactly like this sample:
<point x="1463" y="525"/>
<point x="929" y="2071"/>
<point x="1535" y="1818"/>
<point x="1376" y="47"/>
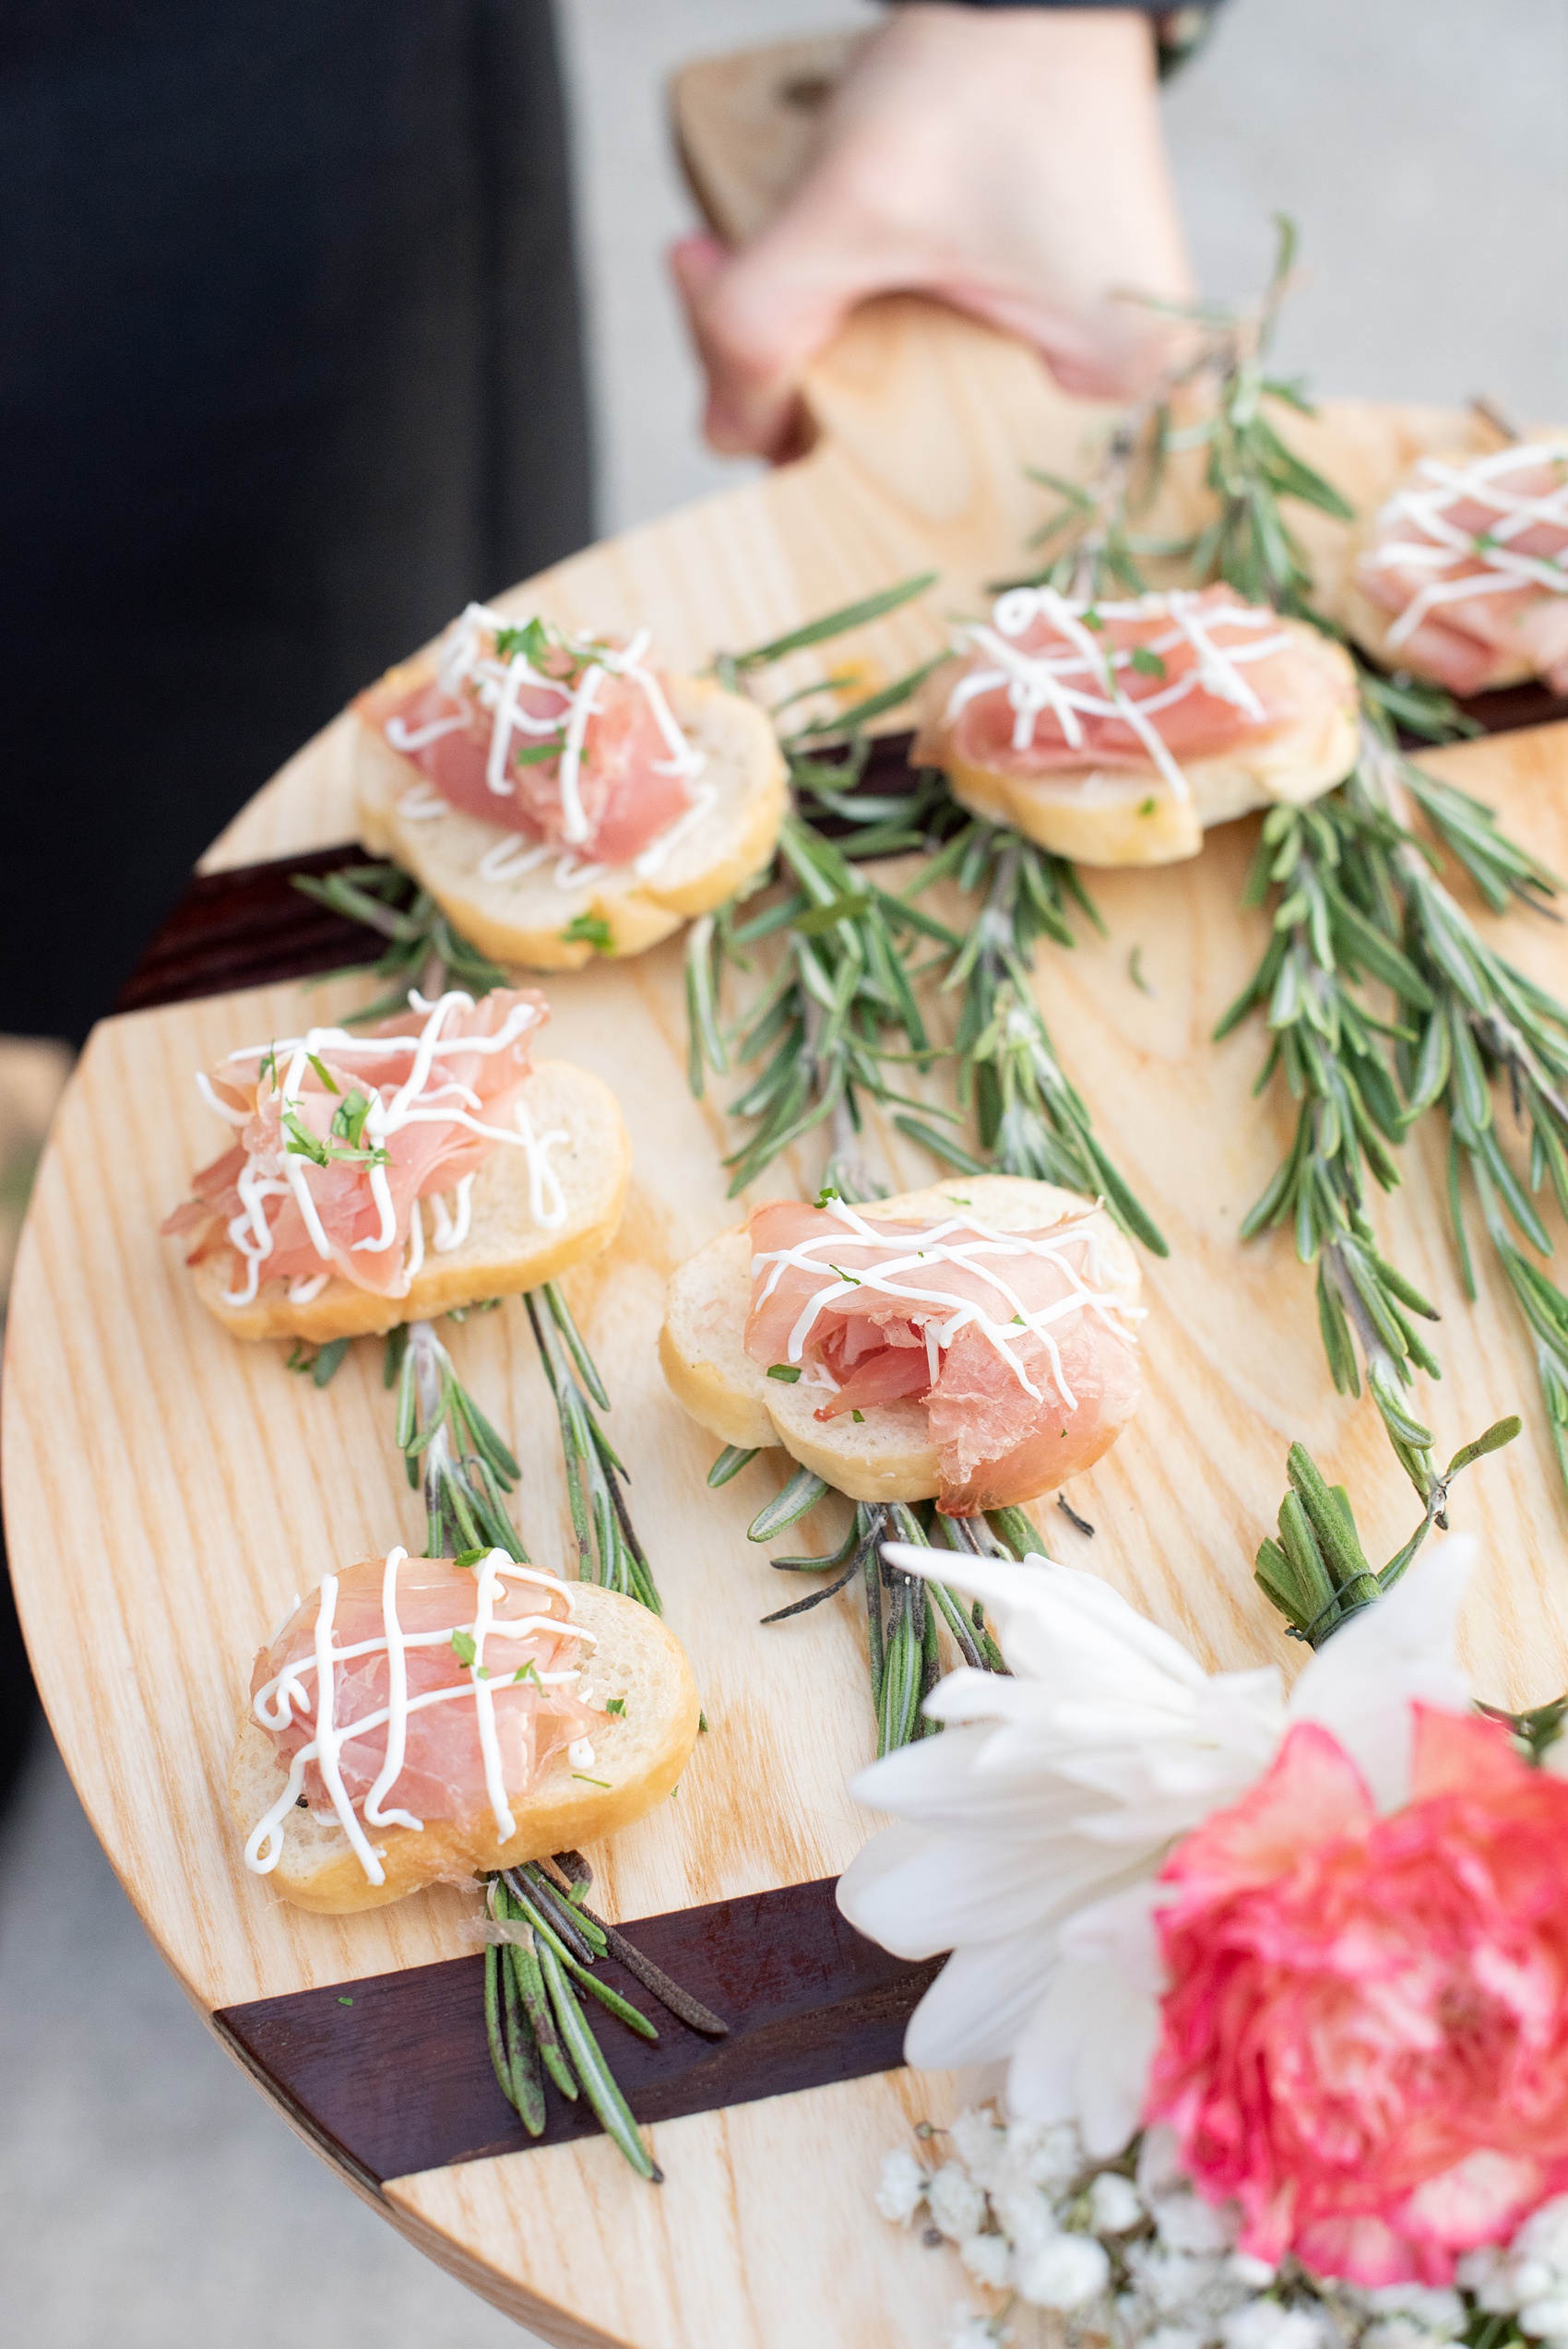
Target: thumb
<point x="756" y="327"/>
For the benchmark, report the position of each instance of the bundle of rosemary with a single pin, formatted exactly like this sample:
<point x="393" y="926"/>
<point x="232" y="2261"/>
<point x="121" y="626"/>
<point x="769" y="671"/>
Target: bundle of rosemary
<point x="1358" y="903"/>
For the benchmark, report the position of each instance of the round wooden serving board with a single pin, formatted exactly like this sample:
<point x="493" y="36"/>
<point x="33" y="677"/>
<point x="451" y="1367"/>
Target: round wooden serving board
<point x="167" y="1490"/>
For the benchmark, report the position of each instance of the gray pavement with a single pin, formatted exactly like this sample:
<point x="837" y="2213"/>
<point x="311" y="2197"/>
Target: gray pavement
<point x="148" y="2199"/>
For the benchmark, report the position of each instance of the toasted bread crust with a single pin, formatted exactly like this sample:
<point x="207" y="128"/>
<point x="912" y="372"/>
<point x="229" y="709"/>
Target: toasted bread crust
<point x="641" y="1754"/>
<point x="506" y="1251"/>
<point x="525" y="921"/>
<point x="888" y="1456"/>
<point x="1117" y="815"/>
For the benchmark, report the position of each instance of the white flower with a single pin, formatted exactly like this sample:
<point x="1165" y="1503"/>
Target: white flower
<point x="1172" y="2336"/>
<point x="1252" y="2275"/>
<point x="1487" y="2273"/>
<point x="979" y="2143"/>
<point x="1546" y="2320"/>
<point x="900" y="2188"/>
<point x="956" y="2204"/>
<point x="1544" y="2234"/>
<point x="988" y="2259"/>
<point x="1038" y="1823"/>
<point x="1399" y="2332"/>
<point x="973" y="2332"/>
<point x="1172" y="2282"/>
<point x="1063" y="2272"/>
<point x="1115" y="2204"/>
<point x="1186" y="2224"/>
<point x="1431" y="2307"/>
<point x="1048" y="2155"/>
<point x="1263" y="2324"/>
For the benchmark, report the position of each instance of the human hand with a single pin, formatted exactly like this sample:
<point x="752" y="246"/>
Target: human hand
<point x="1011" y="163"/>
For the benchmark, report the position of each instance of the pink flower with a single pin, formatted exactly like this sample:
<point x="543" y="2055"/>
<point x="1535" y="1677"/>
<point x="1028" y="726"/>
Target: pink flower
<point x="1365" y="2044"/>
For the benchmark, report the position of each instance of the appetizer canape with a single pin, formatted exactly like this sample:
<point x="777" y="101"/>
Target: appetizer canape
<point x="559" y="794"/>
<point x="386" y="1177"/>
<point x="417" y="1720"/>
<point x="975" y="1341"/>
<point x="1115" y="733"/>
<point x="1464" y="575"/>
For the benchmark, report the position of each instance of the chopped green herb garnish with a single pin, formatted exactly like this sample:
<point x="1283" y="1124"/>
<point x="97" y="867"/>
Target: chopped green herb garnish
<point x="788" y="1372"/>
<point x="829" y="1191"/>
<point x="349" y="1116"/>
<point x="470" y="1556"/>
<point x="617" y="1705"/>
<point x="303" y="1142"/>
<point x="590" y="929"/>
<point x="848" y="1278"/>
<point x="463" y="1647"/>
<point x="1092" y="619"/>
<point x="532" y="640"/>
<point x="587" y="1780"/>
<point x="324" y="1073"/>
<point x="858" y="1417"/>
<point x="537" y="753"/>
<point x="345" y="2002"/>
<point x="529" y="1671"/>
<point x="1147" y="807"/>
<point x="1148" y="663"/>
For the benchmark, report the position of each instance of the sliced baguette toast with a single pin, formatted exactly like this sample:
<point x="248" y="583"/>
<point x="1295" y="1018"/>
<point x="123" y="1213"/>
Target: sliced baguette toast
<point x="1118" y="815"/>
<point x="527" y="920"/>
<point x="504" y="1252"/>
<point x="888" y="1456"/>
<point x="641" y="1753"/>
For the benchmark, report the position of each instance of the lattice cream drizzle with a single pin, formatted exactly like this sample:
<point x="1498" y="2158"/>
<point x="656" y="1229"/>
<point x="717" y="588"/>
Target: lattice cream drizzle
<point x="275" y="1705"/>
<point x="941" y="1313"/>
<point x="417" y="1100"/>
<point x="1443" y="545"/>
<point x="1060" y="680"/>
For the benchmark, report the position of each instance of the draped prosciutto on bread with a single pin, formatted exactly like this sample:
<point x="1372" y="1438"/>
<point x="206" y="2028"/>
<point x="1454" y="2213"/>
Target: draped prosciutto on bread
<point x="975" y="1341"/>
<point x="417" y="1719"/>
<point x="1115" y="733"/>
<point x="561" y="793"/>
<point x="1465" y="577"/>
<point x="423" y="1165"/>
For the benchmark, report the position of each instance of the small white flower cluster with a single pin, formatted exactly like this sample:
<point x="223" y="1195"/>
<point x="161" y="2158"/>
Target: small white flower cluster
<point x="1129" y="2254"/>
<point x="1529" y="2281"/>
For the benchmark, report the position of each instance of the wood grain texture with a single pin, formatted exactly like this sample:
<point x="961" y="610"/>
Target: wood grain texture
<point x="168" y="1489"/>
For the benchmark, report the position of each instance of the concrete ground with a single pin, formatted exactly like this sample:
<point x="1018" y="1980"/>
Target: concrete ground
<point x="148" y="2199"/>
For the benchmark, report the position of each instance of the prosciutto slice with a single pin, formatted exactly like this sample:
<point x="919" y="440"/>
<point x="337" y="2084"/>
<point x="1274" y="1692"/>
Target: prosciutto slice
<point x="1049" y="683"/>
<point x="1023" y="1358"/>
<point x="1471" y="559"/>
<point x="443" y="1775"/>
<point x="575" y="747"/>
<point x="409" y="1110"/>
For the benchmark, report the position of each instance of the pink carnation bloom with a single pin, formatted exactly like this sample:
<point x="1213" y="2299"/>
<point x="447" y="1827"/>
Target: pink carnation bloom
<point x="1365" y="2044"/>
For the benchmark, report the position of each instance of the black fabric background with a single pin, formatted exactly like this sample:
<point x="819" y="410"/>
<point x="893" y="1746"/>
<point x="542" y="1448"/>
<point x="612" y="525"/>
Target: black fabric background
<point x="289" y="369"/>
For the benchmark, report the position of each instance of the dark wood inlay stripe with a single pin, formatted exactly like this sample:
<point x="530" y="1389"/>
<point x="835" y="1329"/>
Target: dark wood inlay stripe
<point x="393" y="2073"/>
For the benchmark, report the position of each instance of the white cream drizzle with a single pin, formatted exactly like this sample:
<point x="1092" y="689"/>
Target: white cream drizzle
<point x="424" y="1097"/>
<point x="1059" y="677"/>
<point x="275" y="1705"/>
<point x="941" y="1313"/>
<point x="1443" y="545"/>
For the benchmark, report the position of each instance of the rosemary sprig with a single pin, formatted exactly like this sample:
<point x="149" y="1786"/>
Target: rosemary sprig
<point x="1316" y="1572"/>
<point x="450" y="1449"/>
<point x="423" y="948"/>
<point x="609" y="1549"/>
<point x="906" y="1614"/>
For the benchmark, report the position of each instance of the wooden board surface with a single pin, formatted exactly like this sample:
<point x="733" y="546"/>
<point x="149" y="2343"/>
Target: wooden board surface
<point x="167" y="1490"/>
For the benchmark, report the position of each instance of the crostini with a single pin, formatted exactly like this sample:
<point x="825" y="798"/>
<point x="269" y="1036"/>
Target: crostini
<point x="387" y="1177"/>
<point x="558" y="794"/>
<point x="1115" y="733"/>
<point x="975" y="1341"/>
<point x="417" y="1720"/>
<point x="1463" y="571"/>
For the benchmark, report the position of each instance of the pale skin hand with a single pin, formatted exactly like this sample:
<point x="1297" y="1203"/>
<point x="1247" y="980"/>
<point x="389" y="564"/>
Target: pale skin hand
<point x="1011" y="165"/>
